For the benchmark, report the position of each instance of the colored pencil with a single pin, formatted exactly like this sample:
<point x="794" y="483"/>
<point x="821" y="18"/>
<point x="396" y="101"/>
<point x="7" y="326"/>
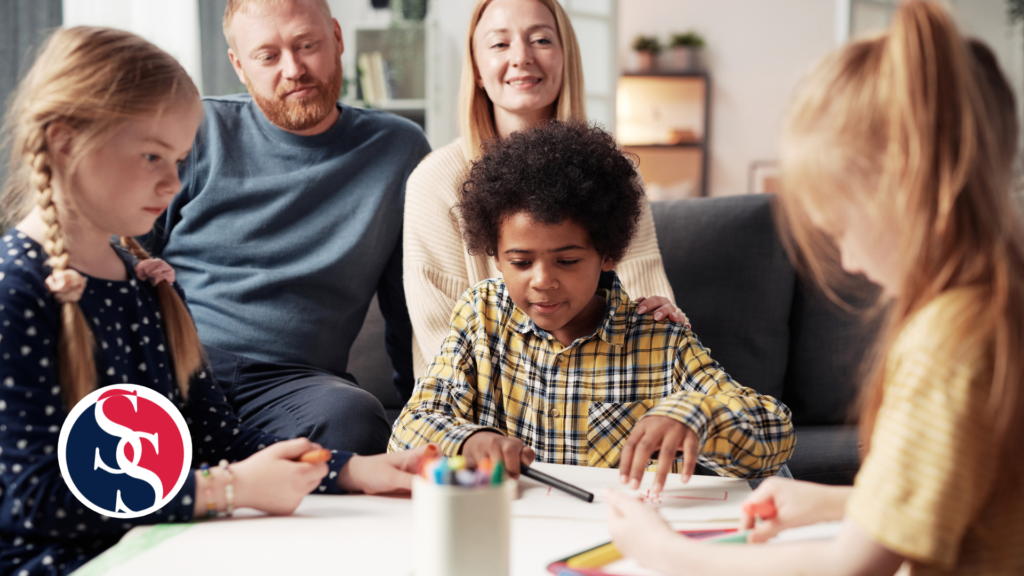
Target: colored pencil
<point x="595" y="557"/>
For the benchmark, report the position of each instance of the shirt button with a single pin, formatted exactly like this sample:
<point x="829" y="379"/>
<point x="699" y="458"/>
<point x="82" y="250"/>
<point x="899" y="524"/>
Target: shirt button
<point x="553" y="413"/>
<point x="561" y="358"/>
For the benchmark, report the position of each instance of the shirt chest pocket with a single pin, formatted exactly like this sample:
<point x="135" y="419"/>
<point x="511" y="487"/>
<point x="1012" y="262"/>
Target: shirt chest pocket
<point x="608" y="426"/>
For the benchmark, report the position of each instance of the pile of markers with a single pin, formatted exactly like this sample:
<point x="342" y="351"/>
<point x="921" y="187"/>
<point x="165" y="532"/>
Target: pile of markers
<point x="454" y="472"/>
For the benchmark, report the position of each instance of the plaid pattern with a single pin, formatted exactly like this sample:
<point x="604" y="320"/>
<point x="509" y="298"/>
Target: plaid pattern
<point x="576" y="405"/>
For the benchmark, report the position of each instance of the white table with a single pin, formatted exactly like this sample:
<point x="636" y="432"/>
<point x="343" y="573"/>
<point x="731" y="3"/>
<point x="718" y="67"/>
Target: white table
<point x="357" y="534"/>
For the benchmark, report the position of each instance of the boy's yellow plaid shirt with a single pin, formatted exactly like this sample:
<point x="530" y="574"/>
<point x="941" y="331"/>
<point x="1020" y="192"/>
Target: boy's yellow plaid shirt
<point x="577" y="405"/>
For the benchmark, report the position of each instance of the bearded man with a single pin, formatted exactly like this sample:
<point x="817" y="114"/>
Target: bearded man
<point x="288" y="222"/>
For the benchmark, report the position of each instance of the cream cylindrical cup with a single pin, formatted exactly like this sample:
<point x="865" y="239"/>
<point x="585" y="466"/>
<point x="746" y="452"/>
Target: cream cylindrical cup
<point x="461" y="530"/>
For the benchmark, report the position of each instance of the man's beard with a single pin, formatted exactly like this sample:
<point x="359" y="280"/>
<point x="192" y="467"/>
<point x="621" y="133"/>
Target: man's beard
<point x="305" y="113"/>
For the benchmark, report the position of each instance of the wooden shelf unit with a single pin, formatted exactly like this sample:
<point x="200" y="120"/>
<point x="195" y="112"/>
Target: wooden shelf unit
<point x="665" y="119"/>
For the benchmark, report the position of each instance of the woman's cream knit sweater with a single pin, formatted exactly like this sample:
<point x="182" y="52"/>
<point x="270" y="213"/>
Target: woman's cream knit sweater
<point x="437" y="268"/>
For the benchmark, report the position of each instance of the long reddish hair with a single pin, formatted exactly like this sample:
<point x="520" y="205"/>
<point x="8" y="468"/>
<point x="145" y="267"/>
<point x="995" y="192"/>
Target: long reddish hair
<point x="918" y="122"/>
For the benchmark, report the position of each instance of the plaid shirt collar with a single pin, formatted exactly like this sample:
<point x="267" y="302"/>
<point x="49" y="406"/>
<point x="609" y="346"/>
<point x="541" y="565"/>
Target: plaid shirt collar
<point x="611" y="329"/>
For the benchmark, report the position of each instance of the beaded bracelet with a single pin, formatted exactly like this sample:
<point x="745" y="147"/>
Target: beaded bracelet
<point x="229" y="488"/>
<point x="211" y="503"/>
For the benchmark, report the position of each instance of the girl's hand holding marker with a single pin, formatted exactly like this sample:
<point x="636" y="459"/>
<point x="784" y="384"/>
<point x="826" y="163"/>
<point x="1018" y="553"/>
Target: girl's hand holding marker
<point x="275" y="479"/>
<point x="779" y="504"/>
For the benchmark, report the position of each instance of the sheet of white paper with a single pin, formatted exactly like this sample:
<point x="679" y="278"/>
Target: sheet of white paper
<point x="703" y="499"/>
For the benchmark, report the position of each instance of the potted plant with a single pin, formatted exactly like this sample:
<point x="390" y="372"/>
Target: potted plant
<point x="407" y="10"/>
<point x="686" y="49"/>
<point x="647" y="49"/>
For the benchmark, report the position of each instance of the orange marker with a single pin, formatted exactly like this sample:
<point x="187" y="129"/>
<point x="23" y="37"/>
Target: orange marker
<point x="429" y="454"/>
<point x="315" y="456"/>
<point x="763" y="510"/>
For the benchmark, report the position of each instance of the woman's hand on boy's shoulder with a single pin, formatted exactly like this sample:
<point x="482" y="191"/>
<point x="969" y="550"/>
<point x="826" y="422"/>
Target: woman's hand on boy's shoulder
<point x="663" y="308"/>
<point x="486" y="444"/>
<point x="381" y="473"/>
<point x="657" y="434"/>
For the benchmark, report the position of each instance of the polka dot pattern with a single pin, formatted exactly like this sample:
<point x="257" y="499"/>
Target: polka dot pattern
<point x="43" y="527"/>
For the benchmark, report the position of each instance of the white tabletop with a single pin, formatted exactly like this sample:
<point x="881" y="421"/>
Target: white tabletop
<point x="357" y="534"/>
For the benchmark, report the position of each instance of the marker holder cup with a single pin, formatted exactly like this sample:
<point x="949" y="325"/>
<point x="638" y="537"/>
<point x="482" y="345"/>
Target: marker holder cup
<point x="462" y="530"/>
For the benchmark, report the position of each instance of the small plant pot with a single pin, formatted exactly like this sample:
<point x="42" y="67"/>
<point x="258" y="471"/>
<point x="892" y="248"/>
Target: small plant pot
<point x="414" y="10"/>
<point x="646" y="61"/>
<point x="685" y="59"/>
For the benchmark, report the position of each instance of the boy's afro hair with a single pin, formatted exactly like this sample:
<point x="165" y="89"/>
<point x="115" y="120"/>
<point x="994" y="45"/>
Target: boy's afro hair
<point x="562" y="170"/>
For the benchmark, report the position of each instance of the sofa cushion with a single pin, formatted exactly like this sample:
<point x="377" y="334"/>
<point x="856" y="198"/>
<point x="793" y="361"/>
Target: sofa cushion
<point x="826" y="356"/>
<point x="825" y="454"/>
<point x="369" y="362"/>
<point x="731" y="276"/>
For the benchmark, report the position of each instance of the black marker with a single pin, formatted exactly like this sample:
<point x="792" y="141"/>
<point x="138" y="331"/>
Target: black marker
<point x="556" y="483"/>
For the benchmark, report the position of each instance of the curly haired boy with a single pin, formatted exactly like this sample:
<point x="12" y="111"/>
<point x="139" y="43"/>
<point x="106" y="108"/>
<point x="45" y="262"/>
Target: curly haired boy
<point x="551" y="362"/>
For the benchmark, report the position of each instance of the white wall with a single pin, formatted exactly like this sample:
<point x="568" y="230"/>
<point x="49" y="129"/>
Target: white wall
<point x="173" y="25"/>
<point x="756" y="53"/>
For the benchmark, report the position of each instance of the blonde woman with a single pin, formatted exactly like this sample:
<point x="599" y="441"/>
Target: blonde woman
<point x="522" y="67"/>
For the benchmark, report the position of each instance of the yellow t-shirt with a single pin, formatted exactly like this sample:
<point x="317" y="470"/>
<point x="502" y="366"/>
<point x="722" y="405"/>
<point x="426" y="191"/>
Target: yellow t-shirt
<point x="929" y="489"/>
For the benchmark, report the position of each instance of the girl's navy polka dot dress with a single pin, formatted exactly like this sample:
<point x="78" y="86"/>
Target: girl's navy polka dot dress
<point x="43" y="527"/>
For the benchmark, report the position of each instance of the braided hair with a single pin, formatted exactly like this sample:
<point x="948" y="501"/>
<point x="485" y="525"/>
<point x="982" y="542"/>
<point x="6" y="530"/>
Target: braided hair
<point x="91" y="80"/>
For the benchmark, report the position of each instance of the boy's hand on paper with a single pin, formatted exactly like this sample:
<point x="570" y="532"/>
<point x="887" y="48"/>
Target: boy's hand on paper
<point x="663" y="308"/>
<point x="498" y="448"/>
<point x="795" y="503"/>
<point x="638" y="531"/>
<point x="657" y="434"/>
<point x="273" y="481"/>
<point x="381" y="473"/>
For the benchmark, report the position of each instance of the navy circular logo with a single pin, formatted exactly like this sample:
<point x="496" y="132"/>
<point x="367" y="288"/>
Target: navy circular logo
<point x="125" y="451"/>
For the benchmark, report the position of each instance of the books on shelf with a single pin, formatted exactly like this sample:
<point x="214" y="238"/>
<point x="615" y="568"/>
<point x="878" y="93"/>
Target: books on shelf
<point x="374" y="78"/>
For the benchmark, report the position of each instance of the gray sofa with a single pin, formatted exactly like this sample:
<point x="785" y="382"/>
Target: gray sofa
<point x="767" y="328"/>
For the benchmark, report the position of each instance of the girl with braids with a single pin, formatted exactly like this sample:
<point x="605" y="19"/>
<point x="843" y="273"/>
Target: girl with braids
<point x="97" y="130"/>
<point x="897" y="161"/>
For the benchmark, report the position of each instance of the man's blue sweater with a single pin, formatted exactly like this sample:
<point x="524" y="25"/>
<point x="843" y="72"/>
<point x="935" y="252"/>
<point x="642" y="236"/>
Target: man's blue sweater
<point x="281" y="241"/>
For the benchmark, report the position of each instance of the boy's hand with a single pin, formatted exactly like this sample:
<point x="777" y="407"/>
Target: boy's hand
<point x="662" y="308"/>
<point x="664" y="435"/>
<point x="498" y="448"/>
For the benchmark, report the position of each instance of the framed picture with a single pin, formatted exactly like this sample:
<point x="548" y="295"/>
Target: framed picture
<point x="764" y="177"/>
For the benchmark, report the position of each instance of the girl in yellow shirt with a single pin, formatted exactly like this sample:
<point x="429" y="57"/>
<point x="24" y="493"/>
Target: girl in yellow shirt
<point x="897" y="163"/>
